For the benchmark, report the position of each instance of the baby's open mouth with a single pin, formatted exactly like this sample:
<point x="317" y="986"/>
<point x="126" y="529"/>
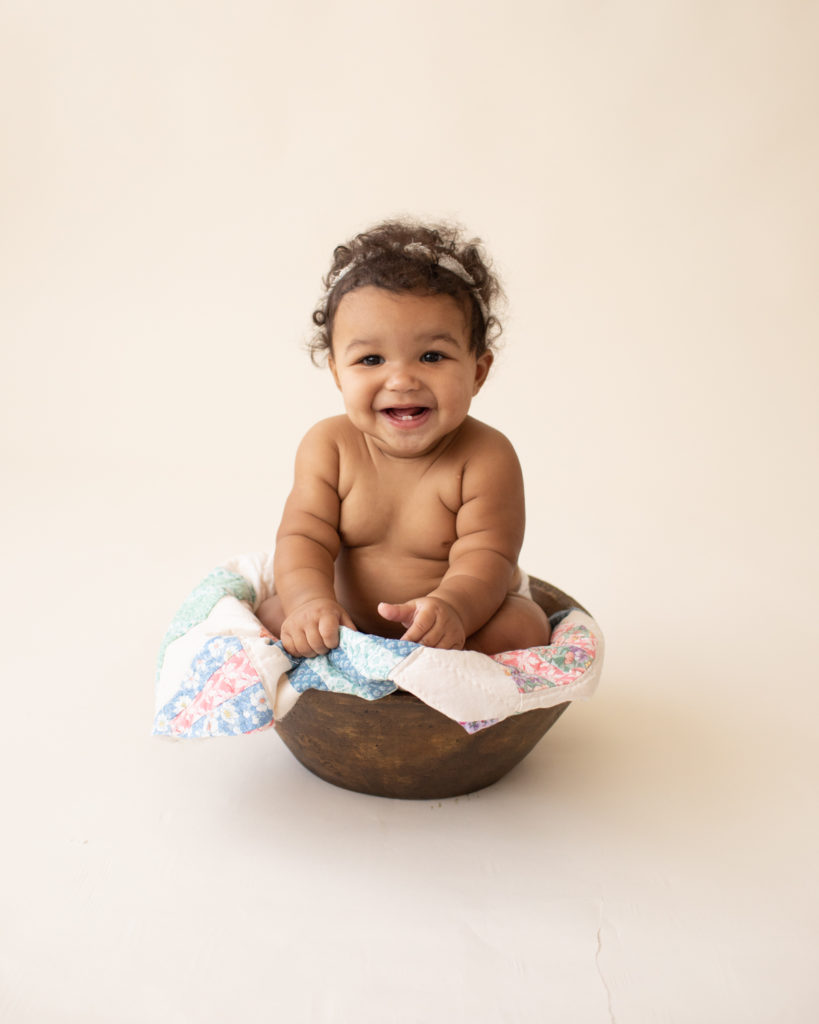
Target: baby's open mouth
<point x="406" y="413"/>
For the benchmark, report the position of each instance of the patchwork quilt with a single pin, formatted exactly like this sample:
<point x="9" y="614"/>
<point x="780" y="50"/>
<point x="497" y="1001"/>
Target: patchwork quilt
<point x="221" y="673"/>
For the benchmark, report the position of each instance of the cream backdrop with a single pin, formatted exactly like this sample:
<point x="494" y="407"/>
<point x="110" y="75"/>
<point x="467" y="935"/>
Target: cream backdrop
<point x="173" y="178"/>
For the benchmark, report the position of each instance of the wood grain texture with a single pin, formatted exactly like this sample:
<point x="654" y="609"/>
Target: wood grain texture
<point x="400" y="747"/>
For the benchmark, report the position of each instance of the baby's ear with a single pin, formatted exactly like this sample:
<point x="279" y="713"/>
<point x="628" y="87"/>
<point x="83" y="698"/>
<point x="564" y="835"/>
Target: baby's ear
<point x="482" y="366"/>
<point x="332" y="364"/>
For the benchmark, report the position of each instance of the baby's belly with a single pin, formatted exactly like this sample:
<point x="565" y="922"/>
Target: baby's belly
<point x="366" y="576"/>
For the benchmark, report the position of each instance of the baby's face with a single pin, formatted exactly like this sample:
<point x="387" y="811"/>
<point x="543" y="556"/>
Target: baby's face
<point x="403" y="365"/>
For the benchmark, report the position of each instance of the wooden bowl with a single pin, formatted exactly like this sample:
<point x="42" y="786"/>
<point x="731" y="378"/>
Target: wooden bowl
<point x="400" y="747"/>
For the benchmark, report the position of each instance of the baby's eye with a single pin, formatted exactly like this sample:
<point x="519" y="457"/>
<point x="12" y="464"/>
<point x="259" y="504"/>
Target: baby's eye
<point x="432" y="357"/>
<point x="371" y="361"/>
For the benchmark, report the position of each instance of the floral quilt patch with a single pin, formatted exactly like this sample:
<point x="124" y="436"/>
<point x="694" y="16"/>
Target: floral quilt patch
<point x="570" y="653"/>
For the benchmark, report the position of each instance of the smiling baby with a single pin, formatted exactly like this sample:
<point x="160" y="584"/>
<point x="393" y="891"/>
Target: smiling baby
<point x="406" y="517"/>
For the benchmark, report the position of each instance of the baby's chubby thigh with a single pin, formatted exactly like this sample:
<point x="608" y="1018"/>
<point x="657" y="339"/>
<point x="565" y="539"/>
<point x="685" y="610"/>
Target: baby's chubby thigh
<point x="271" y="614"/>
<point x="518" y="623"/>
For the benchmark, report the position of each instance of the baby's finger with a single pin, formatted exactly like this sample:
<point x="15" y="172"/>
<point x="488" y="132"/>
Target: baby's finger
<point x="437" y="636"/>
<point x="403" y="613"/>
<point x="293" y="642"/>
<point x="315" y="643"/>
<point x="422" y="624"/>
<point x="328" y="629"/>
<point x="444" y="634"/>
<point x="428" y="640"/>
<point x="451" y="640"/>
<point x="348" y="622"/>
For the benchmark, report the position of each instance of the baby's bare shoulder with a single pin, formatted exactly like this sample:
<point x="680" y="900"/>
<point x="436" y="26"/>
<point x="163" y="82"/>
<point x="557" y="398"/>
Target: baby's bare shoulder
<point x="333" y="434"/>
<point x="489" y="458"/>
<point x="326" y="431"/>
<point x="318" y="453"/>
<point x="479" y="442"/>
<point x="335" y="448"/>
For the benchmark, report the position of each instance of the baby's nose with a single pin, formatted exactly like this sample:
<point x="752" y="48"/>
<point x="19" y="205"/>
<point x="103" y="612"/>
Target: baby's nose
<point x="402" y="378"/>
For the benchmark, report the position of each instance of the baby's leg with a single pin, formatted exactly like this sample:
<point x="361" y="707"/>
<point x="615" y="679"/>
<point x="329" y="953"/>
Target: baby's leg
<point x="517" y="624"/>
<point x="271" y="615"/>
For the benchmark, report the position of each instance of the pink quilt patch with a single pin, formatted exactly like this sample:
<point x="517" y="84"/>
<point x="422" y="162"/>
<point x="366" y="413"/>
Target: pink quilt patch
<point x="235" y="676"/>
<point x="570" y="653"/>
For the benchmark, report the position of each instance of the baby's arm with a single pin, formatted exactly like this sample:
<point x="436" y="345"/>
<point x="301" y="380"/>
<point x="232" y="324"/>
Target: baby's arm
<point x="307" y="545"/>
<point x="483" y="559"/>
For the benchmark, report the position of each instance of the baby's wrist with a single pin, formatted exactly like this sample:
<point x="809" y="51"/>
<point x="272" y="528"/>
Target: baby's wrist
<point x="295" y="597"/>
<point x="309" y="602"/>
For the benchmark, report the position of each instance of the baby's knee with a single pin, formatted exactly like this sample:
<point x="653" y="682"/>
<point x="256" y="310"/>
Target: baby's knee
<point x="271" y="614"/>
<point x="518" y="623"/>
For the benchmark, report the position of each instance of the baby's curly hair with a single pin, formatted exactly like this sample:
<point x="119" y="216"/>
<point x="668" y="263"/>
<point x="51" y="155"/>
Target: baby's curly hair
<point x="407" y="256"/>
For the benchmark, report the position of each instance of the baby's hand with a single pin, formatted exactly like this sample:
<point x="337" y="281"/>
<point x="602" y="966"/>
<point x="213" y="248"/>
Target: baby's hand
<point x="313" y="628"/>
<point x="429" y="621"/>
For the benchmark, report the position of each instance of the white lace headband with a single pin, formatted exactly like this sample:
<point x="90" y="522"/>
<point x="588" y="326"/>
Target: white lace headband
<point x="446" y="261"/>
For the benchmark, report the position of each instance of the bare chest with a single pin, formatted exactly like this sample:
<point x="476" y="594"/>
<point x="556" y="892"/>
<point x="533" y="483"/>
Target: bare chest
<point x="411" y="513"/>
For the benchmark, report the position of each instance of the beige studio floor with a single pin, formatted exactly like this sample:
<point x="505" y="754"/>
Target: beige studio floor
<point x="173" y="179"/>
